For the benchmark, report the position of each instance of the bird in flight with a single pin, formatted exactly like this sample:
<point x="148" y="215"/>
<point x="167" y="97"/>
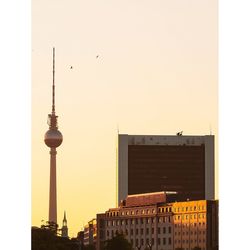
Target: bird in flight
<point x="71" y="67"/>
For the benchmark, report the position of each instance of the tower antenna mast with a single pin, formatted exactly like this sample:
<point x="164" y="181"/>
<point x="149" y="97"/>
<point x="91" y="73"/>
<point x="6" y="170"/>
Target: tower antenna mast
<point x="53" y="86"/>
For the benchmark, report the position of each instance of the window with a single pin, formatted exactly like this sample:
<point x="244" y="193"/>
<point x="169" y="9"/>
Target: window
<point x="164" y="230"/>
<point x="164" y="241"/>
<point x="194" y="208"/>
<point x="186" y="216"/>
<point x="108" y="233"/>
<point x="141" y="220"/>
<point x="169" y="241"/>
<point x="169" y="230"/>
<point x="142" y="242"/>
<point x="132" y="242"/>
<point x="186" y="208"/>
<point x="136" y="242"/>
<point x="136" y="231"/>
<point x="153" y="230"/>
<point x="136" y="221"/>
<point x="159" y="230"/>
<point x="147" y="231"/>
<point x="153" y="241"/>
<point x="141" y="230"/>
<point x="131" y="231"/>
<point x="159" y="241"/>
<point x="147" y="240"/>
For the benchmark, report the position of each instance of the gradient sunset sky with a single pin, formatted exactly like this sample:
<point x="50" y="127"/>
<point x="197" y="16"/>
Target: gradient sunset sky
<point x="156" y="73"/>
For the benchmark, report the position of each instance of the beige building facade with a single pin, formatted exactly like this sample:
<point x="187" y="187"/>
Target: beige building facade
<point x="155" y="224"/>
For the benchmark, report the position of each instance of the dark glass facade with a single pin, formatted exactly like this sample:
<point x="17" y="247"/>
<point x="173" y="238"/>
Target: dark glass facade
<point x="181" y="168"/>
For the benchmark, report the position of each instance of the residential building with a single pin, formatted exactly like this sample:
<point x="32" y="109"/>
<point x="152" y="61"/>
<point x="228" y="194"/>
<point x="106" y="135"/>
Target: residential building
<point x="149" y="221"/>
<point x="90" y="233"/>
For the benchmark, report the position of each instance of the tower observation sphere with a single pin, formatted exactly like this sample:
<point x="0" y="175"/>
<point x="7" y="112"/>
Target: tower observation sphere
<point x="53" y="138"/>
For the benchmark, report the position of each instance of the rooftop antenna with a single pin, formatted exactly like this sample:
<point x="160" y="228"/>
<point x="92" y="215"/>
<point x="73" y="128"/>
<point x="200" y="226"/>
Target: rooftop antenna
<point x="117" y="128"/>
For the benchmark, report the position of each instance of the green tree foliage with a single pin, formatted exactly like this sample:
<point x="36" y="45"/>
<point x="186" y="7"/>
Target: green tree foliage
<point x="46" y="239"/>
<point x="196" y="248"/>
<point x="89" y="247"/>
<point x="117" y="243"/>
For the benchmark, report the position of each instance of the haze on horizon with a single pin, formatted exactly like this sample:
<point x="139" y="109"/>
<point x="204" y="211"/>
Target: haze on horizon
<point x="149" y="67"/>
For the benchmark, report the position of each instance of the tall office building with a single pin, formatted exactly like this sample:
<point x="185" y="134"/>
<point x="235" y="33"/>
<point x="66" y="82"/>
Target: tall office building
<point x="153" y="163"/>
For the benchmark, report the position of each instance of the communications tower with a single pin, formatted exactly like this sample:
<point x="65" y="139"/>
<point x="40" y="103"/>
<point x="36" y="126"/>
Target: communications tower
<point x="53" y="139"/>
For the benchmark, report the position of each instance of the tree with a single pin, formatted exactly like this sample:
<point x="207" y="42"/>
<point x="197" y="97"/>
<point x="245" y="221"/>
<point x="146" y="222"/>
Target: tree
<point x="196" y="248"/>
<point x="89" y="247"/>
<point x="46" y="239"/>
<point x="117" y="243"/>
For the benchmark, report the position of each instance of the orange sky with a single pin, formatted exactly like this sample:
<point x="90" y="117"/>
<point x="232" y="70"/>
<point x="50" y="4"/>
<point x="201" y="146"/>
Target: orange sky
<point x="156" y="74"/>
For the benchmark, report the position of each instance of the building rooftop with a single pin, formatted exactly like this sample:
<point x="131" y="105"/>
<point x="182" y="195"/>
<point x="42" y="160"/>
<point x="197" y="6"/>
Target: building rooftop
<point x="146" y="199"/>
